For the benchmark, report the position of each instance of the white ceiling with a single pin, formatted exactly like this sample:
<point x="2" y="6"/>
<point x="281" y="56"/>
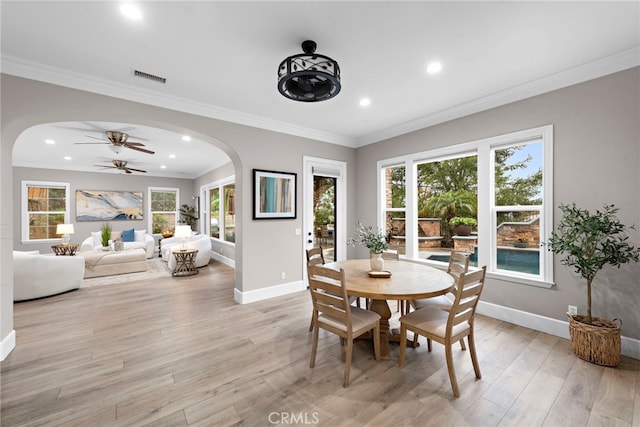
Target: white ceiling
<point x="220" y="60"/>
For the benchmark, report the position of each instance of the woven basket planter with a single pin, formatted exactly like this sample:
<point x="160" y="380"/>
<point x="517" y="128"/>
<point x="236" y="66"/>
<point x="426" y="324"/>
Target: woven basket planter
<point x="598" y="342"/>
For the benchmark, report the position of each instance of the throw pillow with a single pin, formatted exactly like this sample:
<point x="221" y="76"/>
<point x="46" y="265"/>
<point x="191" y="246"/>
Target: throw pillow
<point x="128" y="235"/>
<point x="115" y="235"/>
<point x="139" y="235"/>
<point x="97" y="238"/>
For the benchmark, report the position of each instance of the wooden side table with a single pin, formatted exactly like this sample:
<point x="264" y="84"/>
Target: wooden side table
<point x="68" y="249"/>
<point x="185" y="262"/>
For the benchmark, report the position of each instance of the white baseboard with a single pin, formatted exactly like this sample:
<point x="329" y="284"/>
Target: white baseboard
<point x="223" y="259"/>
<point x="270" y="292"/>
<point x="7" y="344"/>
<point x="558" y="328"/>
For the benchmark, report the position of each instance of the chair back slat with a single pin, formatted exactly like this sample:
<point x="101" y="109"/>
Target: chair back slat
<point x="458" y="264"/>
<point x="466" y="298"/>
<point x="328" y="293"/>
<point x="315" y="256"/>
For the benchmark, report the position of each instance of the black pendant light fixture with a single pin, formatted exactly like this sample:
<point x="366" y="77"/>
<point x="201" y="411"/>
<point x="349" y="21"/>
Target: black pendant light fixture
<point x="309" y="77"/>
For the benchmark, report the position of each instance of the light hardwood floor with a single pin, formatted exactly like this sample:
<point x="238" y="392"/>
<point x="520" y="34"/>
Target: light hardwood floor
<point x="180" y="351"/>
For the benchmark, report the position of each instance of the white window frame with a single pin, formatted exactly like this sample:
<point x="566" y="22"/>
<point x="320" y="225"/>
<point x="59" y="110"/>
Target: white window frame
<point x="205" y="196"/>
<point x="25" y="207"/>
<point x="151" y="212"/>
<point x="484" y="149"/>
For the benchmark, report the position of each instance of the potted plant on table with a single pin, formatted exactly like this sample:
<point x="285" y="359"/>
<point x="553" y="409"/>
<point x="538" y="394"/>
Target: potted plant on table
<point x="375" y="241"/>
<point x="588" y="242"/>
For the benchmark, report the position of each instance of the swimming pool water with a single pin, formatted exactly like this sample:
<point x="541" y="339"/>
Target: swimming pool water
<point x="523" y="261"/>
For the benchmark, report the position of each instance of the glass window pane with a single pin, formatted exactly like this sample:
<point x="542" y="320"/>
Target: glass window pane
<point x="214" y="212"/>
<point x="518" y="241"/>
<point x="230" y="213"/>
<point x="395" y="185"/>
<point x="518" y="175"/>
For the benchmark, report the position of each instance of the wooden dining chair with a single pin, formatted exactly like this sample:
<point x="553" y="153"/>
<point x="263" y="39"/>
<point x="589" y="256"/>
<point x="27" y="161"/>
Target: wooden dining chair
<point x="447" y="327"/>
<point x="315" y="256"/>
<point x="333" y="312"/>
<point x="394" y="254"/>
<point x="458" y="264"/>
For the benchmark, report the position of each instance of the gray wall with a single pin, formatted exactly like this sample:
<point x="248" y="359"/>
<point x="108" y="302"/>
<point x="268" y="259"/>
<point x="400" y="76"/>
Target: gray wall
<point x="91" y="181"/>
<point x="596" y="161"/>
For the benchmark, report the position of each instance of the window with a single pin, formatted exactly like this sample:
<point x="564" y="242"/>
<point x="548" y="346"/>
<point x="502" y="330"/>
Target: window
<point x="44" y="206"/>
<point x="163" y="209"/>
<point x="501" y="185"/>
<point x="220" y="217"/>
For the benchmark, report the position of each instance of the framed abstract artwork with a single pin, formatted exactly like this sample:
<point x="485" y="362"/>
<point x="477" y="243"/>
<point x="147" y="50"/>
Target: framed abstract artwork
<point x="94" y="205"/>
<point x="274" y="194"/>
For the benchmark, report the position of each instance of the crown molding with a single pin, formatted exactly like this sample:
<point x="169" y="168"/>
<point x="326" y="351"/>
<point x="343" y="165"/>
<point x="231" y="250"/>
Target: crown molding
<point x="36" y="71"/>
<point x="608" y="65"/>
<point x="45" y="73"/>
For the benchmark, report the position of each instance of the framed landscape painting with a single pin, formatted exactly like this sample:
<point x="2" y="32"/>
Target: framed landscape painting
<point x="274" y="194"/>
<point x="93" y="205"/>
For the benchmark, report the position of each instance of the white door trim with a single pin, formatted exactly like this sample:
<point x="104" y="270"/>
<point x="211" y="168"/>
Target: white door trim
<point x="309" y="163"/>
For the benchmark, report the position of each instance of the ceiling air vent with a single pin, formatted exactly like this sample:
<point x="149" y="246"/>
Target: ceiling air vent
<point x="149" y="76"/>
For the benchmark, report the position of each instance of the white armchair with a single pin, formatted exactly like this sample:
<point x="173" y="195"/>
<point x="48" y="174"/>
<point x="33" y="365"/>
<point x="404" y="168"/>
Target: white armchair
<point x="36" y="275"/>
<point x="201" y="242"/>
<point x="141" y="240"/>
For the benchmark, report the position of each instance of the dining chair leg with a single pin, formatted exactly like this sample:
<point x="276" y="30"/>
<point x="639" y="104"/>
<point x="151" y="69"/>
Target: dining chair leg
<point x="376" y="341"/>
<point x="415" y="339"/>
<point x="403" y="344"/>
<point x="452" y="372"/>
<point x="462" y="346"/>
<point x="347" y="365"/>
<point x="314" y="347"/>
<point x="311" y="325"/>
<point x="428" y="344"/>
<point x="474" y="357"/>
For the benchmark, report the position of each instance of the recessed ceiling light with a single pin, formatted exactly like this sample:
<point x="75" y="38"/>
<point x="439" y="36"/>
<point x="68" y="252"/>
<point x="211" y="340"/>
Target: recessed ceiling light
<point x="49" y="141"/>
<point x="131" y="11"/>
<point x="434" y="67"/>
<point x="186" y="138"/>
<point x="172" y="156"/>
<point x="67" y="157"/>
<point x="365" y="102"/>
<point x="163" y="166"/>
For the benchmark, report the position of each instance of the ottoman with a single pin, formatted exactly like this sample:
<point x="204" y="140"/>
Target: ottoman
<point x="103" y="263"/>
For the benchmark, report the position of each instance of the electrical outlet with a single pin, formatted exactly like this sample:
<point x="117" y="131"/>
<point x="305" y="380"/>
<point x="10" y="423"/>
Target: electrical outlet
<point x="283" y="276"/>
<point x="573" y="310"/>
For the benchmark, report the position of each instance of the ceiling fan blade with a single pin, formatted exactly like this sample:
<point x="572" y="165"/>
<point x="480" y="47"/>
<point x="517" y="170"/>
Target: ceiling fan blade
<point x="137" y="144"/>
<point x="105" y="166"/>
<point x="127" y="170"/>
<point x="137" y="170"/>
<point x="95" y="137"/>
<point x="81" y="143"/>
<point x="144" y="150"/>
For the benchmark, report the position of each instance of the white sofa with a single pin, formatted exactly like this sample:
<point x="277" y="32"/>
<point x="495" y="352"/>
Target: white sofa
<point x="36" y="275"/>
<point x="142" y="240"/>
<point x="201" y="242"/>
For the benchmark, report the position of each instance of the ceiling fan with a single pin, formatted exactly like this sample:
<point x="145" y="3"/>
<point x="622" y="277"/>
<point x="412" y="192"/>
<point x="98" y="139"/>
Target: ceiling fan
<point x="119" y="139"/>
<point x="121" y="165"/>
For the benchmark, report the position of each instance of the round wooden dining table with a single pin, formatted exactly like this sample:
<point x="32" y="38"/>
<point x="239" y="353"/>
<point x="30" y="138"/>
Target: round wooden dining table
<point x="407" y="281"/>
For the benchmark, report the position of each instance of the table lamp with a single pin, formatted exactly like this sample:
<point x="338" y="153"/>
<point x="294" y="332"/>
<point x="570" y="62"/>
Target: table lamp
<point x="182" y="232"/>
<point x="66" y="230"/>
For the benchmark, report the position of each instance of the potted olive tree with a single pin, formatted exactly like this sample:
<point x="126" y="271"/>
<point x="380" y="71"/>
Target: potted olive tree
<point x="588" y="242"/>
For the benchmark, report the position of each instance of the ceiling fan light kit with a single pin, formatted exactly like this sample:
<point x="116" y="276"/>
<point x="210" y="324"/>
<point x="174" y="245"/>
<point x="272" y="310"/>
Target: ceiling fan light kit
<point x="309" y="77"/>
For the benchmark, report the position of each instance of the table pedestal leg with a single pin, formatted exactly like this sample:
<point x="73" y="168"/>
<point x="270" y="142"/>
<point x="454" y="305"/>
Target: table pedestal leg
<point x="382" y="308"/>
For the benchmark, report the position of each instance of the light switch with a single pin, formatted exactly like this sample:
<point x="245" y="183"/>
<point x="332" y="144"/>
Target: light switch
<point x="298" y="232"/>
